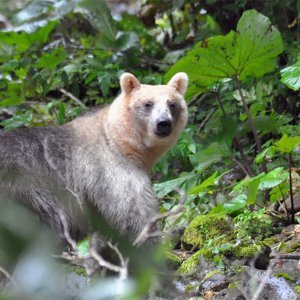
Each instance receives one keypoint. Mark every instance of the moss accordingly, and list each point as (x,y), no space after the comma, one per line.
(190,265)
(191,288)
(271,241)
(204,228)
(172,259)
(211,273)
(232,285)
(246,251)
(292,247)
(207,253)
(78,270)
(297,289)
(285,276)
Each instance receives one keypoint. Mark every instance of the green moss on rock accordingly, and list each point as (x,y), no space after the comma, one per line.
(211,273)
(204,228)
(285,276)
(271,241)
(173,260)
(292,247)
(191,288)
(297,289)
(190,265)
(78,270)
(246,251)
(232,285)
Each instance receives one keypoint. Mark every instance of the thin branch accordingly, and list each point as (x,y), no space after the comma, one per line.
(123,262)
(251,123)
(250,120)
(241,166)
(64,222)
(71,96)
(206,119)
(291,189)
(121,270)
(291,256)
(146,234)
(8,276)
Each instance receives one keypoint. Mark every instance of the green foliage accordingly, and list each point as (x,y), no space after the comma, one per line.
(250,51)
(287,144)
(253,225)
(290,76)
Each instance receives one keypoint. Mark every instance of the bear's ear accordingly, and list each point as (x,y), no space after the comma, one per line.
(128,82)
(180,82)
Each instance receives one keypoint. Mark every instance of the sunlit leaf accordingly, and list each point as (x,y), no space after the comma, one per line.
(210,181)
(83,247)
(250,51)
(266,153)
(290,76)
(287,144)
(273,178)
(237,203)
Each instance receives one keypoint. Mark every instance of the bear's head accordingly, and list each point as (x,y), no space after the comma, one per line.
(159,110)
(150,116)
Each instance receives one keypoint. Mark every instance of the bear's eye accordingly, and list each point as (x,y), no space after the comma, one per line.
(148,104)
(172,105)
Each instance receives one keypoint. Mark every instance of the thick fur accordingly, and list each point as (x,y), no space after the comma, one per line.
(102,158)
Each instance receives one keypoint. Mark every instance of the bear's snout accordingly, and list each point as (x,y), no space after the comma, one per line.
(163,127)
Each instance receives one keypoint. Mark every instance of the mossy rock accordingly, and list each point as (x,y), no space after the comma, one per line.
(190,265)
(173,260)
(246,251)
(297,289)
(77,269)
(271,241)
(292,246)
(285,276)
(206,227)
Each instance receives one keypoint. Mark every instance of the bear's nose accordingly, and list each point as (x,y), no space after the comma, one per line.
(163,127)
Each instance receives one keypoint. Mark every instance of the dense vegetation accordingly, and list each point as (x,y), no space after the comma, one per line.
(240,151)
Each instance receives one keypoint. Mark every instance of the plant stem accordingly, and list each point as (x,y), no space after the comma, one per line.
(291,189)
(251,123)
(247,168)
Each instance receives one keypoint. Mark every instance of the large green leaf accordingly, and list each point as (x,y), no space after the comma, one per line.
(164,188)
(287,144)
(250,51)
(273,178)
(210,181)
(239,202)
(99,15)
(290,76)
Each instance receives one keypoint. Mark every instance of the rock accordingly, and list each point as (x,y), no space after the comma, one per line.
(287,204)
(215,283)
(74,283)
(248,282)
(206,227)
